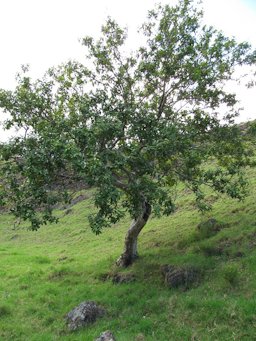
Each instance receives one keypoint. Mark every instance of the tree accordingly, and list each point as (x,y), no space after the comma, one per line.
(131,125)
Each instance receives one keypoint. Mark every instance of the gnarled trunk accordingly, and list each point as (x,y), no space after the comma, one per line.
(130,252)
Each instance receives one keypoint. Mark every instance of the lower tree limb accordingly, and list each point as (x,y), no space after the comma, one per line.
(130,252)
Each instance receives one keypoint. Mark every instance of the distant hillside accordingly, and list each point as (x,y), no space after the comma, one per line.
(45,274)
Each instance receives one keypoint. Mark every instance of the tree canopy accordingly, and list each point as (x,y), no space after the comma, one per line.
(131,124)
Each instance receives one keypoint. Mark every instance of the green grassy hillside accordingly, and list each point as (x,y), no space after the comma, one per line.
(44,274)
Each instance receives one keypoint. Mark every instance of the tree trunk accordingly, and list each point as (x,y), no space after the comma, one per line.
(130,245)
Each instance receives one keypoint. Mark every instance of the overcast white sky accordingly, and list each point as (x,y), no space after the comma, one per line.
(44,33)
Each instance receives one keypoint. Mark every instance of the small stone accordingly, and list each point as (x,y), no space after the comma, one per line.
(85,313)
(106,336)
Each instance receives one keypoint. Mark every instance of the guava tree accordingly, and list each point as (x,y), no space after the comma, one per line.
(131,125)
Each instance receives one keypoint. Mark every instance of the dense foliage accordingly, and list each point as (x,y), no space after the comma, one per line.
(131,125)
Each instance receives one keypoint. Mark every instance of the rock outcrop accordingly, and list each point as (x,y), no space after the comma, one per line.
(85,313)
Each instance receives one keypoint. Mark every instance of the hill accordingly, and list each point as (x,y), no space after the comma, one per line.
(45,274)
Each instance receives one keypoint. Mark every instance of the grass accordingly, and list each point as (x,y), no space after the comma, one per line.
(44,274)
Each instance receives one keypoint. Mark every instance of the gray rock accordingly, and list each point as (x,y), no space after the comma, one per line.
(176,276)
(106,336)
(85,313)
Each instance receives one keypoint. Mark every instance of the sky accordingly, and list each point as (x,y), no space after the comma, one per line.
(44,33)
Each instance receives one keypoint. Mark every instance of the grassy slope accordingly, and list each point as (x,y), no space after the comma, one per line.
(44,274)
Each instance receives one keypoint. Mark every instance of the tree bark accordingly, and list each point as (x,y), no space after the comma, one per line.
(130,252)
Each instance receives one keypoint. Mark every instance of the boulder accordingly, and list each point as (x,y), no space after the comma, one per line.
(176,276)
(85,313)
(106,336)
